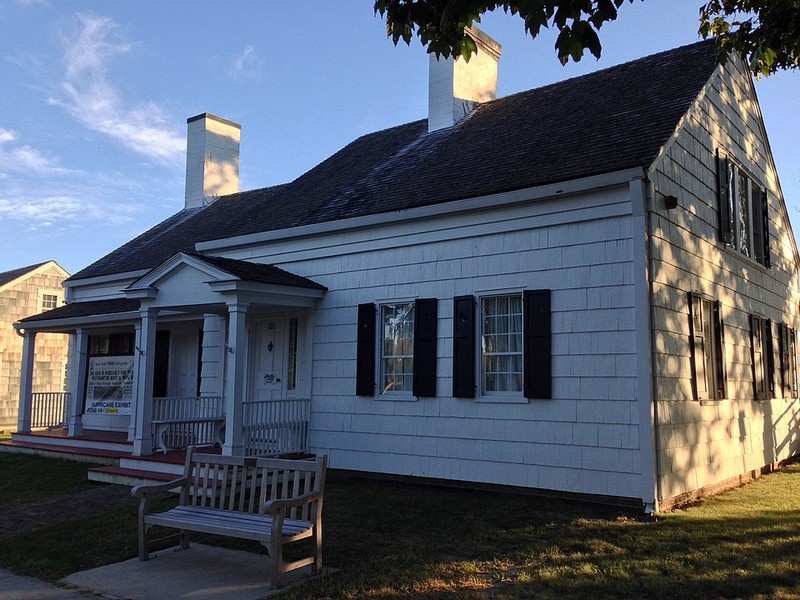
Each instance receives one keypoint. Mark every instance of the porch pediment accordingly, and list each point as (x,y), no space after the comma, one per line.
(187,280)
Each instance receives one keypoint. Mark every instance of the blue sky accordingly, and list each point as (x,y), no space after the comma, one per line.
(94,98)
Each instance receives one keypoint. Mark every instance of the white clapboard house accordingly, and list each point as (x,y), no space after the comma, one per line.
(589,288)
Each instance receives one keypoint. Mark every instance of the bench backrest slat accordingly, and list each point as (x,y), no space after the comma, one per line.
(244,484)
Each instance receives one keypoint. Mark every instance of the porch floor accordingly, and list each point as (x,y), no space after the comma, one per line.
(109,448)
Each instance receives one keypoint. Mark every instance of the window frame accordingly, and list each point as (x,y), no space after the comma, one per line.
(408,355)
(483,393)
(745,232)
(787,340)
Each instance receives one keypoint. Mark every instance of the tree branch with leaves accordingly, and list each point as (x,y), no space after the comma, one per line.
(766,33)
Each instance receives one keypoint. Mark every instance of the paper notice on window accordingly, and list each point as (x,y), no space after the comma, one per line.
(109,385)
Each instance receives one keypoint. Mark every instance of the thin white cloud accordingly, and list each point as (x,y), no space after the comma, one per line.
(22,158)
(246,64)
(91,98)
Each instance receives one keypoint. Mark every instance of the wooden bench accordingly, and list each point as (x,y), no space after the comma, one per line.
(270,500)
(188,428)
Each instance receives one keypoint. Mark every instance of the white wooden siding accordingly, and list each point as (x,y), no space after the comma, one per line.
(583,440)
(700,445)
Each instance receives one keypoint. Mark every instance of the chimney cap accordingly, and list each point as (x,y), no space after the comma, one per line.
(486,43)
(206,115)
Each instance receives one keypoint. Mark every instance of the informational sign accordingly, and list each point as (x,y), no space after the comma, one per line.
(109,386)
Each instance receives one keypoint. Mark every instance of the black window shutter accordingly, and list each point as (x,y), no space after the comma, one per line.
(464,347)
(770,358)
(425,320)
(724,199)
(698,348)
(537,346)
(783,340)
(765,256)
(757,356)
(793,360)
(719,333)
(365,350)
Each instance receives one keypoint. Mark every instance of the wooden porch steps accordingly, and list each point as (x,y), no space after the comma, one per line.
(80,454)
(127,477)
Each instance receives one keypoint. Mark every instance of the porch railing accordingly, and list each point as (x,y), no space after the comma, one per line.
(179,422)
(48,409)
(272,427)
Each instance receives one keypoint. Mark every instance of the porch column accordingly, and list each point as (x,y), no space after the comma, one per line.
(143,387)
(79,346)
(137,343)
(26,383)
(235,366)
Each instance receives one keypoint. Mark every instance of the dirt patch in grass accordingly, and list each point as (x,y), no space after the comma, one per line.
(35,515)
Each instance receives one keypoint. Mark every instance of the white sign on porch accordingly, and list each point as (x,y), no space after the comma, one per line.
(109,386)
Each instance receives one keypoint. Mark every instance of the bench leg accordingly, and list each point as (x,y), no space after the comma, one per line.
(276,558)
(184,539)
(318,548)
(143,550)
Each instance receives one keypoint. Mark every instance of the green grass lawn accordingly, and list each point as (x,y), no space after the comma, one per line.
(402,541)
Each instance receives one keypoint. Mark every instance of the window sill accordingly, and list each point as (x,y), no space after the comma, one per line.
(711,402)
(749,260)
(501,399)
(397,398)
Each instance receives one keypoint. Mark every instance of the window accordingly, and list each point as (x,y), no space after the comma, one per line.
(397,347)
(788,361)
(49,301)
(407,348)
(707,348)
(514,354)
(761,343)
(501,344)
(743,211)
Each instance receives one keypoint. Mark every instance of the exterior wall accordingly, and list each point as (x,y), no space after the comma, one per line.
(584,440)
(21,299)
(703,444)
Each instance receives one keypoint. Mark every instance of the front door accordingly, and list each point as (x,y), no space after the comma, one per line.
(267,362)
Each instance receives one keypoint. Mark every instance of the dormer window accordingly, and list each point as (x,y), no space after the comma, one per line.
(743,211)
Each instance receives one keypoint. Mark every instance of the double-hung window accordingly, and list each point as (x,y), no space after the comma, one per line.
(397,347)
(501,344)
(743,211)
(788,361)
(406,337)
(513,354)
(707,348)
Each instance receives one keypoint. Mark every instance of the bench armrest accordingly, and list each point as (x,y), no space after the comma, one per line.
(156,490)
(273,506)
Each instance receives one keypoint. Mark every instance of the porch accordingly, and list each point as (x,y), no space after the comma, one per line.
(270,428)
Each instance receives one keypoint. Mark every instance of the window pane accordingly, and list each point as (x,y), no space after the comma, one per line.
(743,214)
(501,344)
(397,347)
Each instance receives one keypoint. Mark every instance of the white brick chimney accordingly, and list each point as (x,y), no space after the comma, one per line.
(212,159)
(454,86)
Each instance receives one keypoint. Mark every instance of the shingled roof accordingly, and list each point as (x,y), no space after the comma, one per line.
(606,121)
(9,276)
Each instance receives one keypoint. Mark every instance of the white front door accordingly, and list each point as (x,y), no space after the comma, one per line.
(267,359)
(183,364)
